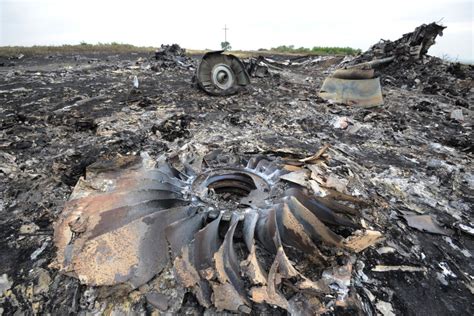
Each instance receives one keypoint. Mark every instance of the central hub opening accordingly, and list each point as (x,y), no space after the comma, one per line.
(230,187)
(222,77)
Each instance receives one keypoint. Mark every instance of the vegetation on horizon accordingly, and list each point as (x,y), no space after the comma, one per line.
(114,47)
(317,50)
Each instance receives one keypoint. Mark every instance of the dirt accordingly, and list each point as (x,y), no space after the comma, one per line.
(61,113)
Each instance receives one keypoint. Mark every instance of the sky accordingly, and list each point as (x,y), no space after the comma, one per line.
(252,24)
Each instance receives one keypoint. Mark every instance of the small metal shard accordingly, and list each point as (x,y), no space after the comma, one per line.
(229,294)
(266,230)
(181,233)
(169,170)
(354,73)
(320,210)
(425,223)
(251,267)
(315,228)
(293,234)
(206,244)
(189,277)
(270,293)
(361,240)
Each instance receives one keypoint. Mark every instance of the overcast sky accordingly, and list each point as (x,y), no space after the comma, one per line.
(252,24)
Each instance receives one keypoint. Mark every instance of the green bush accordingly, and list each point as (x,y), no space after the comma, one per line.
(317,50)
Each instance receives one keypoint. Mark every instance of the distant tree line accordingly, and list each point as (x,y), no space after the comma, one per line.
(317,50)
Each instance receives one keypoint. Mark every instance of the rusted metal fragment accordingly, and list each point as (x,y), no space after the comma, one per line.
(320,210)
(226,297)
(315,228)
(317,156)
(353,73)
(206,244)
(281,268)
(113,230)
(293,233)
(360,92)
(189,277)
(251,267)
(94,215)
(132,253)
(181,233)
(228,274)
(361,240)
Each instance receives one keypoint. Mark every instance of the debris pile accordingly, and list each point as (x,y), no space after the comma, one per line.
(411,46)
(171,56)
(405,167)
(256,67)
(404,63)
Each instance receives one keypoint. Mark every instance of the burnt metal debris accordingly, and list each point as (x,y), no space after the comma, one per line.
(221,74)
(405,166)
(413,45)
(217,223)
(356,83)
(171,56)
(353,87)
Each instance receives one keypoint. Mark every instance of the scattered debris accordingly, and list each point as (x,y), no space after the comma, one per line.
(425,223)
(457,115)
(382,268)
(362,240)
(340,122)
(445,274)
(467,229)
(407,155)
(385,308)
(169,56)
(5,284)
(28,228)
(257,67)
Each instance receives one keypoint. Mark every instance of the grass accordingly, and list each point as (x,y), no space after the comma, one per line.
(9,51)
(317,50)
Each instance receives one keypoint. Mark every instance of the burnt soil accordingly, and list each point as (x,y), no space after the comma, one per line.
(60,113)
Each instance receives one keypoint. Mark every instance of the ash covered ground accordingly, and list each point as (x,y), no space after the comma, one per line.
(411,156)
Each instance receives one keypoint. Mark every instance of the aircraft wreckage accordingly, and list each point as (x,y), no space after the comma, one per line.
(243,232)
(226,230)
